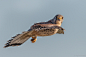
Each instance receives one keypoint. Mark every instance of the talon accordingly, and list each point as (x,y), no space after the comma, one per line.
(33,40)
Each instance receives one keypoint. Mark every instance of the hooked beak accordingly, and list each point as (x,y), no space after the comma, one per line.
(59,18)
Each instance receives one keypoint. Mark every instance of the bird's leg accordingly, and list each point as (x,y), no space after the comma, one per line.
(34,38)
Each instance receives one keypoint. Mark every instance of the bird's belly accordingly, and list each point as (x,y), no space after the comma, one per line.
(46,32)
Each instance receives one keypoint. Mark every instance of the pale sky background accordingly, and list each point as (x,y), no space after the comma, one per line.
(17,16)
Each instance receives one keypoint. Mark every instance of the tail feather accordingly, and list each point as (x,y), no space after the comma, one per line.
(18,39)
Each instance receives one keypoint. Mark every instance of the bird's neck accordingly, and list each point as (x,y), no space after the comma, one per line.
(58,23)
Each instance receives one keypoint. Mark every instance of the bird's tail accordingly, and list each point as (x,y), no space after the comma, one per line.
(18,39)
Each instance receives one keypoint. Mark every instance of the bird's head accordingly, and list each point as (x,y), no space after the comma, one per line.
(58,19)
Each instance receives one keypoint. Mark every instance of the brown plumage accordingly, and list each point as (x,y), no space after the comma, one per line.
(38,29)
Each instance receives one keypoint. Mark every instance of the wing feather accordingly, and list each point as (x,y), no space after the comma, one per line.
(52,27)
(60,32)
(46,26)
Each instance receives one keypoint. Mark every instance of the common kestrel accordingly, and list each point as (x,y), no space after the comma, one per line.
(38,29)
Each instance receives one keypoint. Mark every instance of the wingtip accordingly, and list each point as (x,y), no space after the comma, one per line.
(4,47)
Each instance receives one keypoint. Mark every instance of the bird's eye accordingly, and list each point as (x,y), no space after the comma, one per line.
(62,17)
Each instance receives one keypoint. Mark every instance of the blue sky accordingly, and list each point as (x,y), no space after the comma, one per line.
(17,16)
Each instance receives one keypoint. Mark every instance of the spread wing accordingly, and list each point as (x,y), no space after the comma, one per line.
(19,39)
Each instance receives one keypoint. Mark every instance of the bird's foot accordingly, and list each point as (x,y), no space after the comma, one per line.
(33,40)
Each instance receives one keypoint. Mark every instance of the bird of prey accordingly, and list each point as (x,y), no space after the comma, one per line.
(48,28)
